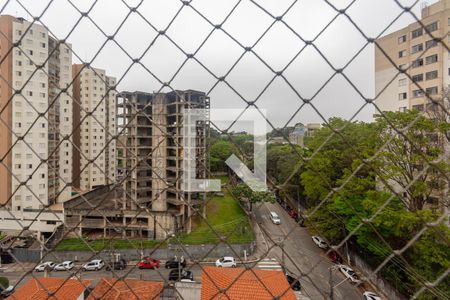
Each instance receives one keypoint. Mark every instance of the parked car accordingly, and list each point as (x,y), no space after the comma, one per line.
(293,282)
(319,242)
(275,218)
(121,264)
(7,292)
(93,265)
(176,275)
(226,262)
(41,267)
(371,296)
(175,264)
(148,263)
(64,266)
(349,273)
(335,257)
(293,214)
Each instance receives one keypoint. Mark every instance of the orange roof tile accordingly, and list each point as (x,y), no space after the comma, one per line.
(43,288)
(127,289)
(219,283)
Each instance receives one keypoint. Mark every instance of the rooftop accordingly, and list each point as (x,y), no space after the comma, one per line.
(127,289)
(240,283)
(41,288)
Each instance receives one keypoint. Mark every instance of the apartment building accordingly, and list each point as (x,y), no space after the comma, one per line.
(151,202)
(419,54)
(300,131)
(94,110)
(36,149)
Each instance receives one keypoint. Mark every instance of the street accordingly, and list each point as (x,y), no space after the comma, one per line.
(161,274)
(302,256)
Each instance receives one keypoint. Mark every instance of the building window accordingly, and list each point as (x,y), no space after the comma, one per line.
(417,63)
(43,45)
(430,44)
(417,48)
(416,33)
(402,82)
(431,59)
(432,90)
(402,53)
(418,107)
(402,96)
(418,77)
(431,75)
(402,109)
(432,27)
(417,93)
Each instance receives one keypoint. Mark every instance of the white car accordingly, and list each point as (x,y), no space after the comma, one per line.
(93,265)
(349,273)
(275,218)
(41,267)
(371,296)
(64,266)
(319,242)
(226,262)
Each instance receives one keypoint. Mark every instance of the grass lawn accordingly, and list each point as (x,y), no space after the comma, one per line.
(226,217)
(99,244)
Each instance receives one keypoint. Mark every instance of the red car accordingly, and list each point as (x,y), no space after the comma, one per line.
(335,257)
(148,263)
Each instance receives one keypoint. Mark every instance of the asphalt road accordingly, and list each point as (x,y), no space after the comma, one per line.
(302,256)
(20,277)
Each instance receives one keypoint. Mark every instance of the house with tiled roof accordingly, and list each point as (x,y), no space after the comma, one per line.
(126,289)
(52,289)
(243,284)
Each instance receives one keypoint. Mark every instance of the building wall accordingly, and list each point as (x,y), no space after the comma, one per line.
(27,154)
(30,160)
(389,85)
(96,108)
(5,106)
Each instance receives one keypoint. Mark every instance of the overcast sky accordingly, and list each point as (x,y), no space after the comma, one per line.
(308,72)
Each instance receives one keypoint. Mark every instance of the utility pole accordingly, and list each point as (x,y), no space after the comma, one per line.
(331,296)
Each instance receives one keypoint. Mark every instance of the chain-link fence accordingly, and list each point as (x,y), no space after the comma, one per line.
(91,171)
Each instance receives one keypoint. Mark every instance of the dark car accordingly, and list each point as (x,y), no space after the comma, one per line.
(293,282)
(175,264)
(335,257)
(121,264)
(176,275)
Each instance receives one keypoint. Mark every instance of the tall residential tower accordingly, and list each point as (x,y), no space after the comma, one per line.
(94,108)
(422,57)
(35,148)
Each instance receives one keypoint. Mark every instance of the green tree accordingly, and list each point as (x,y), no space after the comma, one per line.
(245,194)
(336,156)
(219,152)
(403,162)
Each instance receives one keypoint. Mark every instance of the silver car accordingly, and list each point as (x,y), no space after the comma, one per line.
(94,265)
(46,265)
(64,266)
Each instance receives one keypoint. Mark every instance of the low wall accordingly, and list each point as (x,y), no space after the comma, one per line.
(376,280)
(190,252)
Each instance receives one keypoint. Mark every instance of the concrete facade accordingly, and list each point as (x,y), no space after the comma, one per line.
(36,173)
(415,51)
(150,203)
(94,110)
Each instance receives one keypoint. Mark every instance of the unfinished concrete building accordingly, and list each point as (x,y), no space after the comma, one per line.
(150,202)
